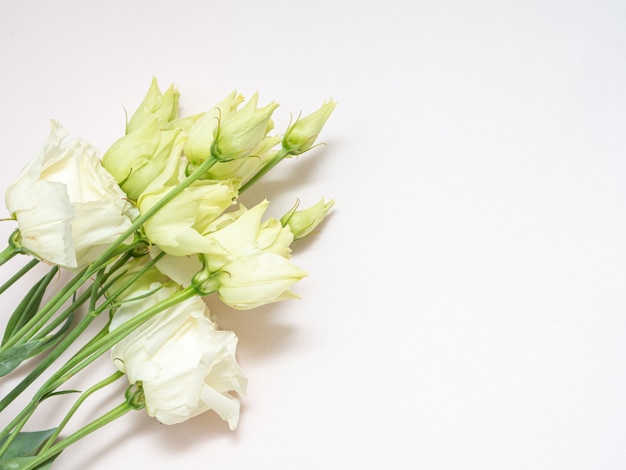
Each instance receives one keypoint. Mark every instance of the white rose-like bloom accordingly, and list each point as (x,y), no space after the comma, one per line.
(185,364)
(68,208)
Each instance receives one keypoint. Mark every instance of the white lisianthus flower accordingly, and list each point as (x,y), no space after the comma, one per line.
(68,208)
(246,235)
(186,366)
(257,280)
(247,261)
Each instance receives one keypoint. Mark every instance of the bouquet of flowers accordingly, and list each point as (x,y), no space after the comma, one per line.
(144,233)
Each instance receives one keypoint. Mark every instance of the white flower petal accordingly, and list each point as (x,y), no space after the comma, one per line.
(185,364)
(68,207)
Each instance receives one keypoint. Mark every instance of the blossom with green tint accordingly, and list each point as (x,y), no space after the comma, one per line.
(302,134)
(303,222)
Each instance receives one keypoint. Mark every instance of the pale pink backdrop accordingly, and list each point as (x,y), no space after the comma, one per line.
(465,307)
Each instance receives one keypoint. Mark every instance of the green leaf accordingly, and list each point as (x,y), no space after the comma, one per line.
(19,463)
(29,305)
(14,356)
(60,392)
(23,450)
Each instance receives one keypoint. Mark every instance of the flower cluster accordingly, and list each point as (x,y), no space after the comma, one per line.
(148,230)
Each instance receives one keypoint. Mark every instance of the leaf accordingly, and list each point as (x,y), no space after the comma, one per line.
(19,463)
(60,392)
(14,356)
(29,305)
(23,450)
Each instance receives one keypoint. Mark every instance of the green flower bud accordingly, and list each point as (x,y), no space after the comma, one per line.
(198,146)
(139,157)
(301,136)
(163,106)
(238,134)
(303,222)
(243,169)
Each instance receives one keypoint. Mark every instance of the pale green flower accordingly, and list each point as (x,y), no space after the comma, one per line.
(177,228)
(238,134)
(246,261)
(303,222)
(242,169)
(246,235)
(162,106)
(273,237)
(303,133)
(137,158)
(198,146)
(250,281)
(257,279)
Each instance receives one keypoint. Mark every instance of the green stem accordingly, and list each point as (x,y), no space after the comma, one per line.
(92,351)
(96,424)
(46,362)
(29,304)
(75,333)
(8,253)
(12,280)
(95,349)
(46,312)
(59,320)
(275,160)
(86,394)
(113,296)
(17,424)
(175,191)
(109,254)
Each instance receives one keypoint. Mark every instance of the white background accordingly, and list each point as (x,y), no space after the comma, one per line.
(465,307)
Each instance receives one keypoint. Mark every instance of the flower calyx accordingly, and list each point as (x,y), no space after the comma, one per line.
(134,396)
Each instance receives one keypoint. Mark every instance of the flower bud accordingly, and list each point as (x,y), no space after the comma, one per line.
(163,106)
(301,136)
(237,135)
(198,146)
(303,222)
(139,157)
(245,168)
